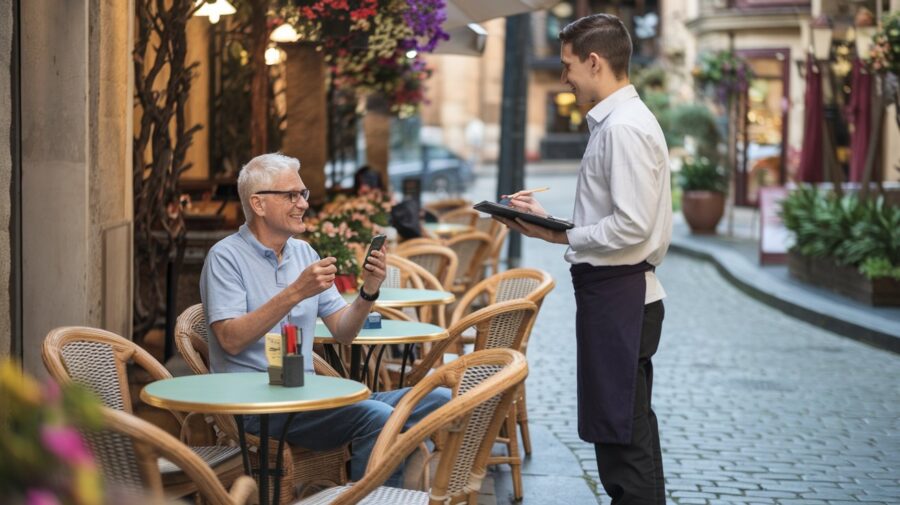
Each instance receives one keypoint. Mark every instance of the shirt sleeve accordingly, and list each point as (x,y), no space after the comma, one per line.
(631,160)
(222,287)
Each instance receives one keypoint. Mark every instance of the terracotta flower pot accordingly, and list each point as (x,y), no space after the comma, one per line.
(345,283)
(702,210)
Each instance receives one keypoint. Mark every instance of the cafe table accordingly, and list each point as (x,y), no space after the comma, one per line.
(250,393)
(407,333)
(408,297)
(447,229)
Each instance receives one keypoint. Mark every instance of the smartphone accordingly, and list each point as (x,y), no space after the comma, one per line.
(376,244)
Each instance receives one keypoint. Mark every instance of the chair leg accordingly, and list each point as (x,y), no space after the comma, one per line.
(515,460)
(522,414)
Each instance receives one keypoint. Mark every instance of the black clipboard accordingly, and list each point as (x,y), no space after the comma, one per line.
(496,209)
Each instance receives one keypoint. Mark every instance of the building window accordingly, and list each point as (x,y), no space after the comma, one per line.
(563,116)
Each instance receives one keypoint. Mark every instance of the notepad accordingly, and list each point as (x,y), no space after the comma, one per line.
(496,209)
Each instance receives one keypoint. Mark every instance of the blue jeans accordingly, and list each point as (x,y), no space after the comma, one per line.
(359,424)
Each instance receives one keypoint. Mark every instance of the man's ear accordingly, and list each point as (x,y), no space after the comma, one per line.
(256,204)
(596,62)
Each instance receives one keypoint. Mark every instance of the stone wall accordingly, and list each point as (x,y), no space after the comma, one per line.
(76,175)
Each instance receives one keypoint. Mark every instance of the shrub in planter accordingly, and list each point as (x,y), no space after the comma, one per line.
(703,201)
(845,244)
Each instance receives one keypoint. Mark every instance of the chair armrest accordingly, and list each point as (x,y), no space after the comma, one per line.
(244,490)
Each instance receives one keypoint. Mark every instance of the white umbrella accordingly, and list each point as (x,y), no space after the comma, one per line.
(462,12)
(468,40)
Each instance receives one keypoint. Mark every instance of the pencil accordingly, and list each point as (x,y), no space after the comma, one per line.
(529,191)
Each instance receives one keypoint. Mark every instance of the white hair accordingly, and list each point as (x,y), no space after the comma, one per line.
(258,174)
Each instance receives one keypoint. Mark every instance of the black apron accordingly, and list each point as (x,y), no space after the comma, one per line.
(609,316)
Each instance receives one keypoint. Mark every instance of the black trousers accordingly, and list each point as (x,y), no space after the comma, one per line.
(632,474)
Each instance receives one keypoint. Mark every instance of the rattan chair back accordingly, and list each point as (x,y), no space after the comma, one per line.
(97,359)
(471,250)
(519,283)
(482,386)
(466,216)
(440,207)
(440,261)
(128,449)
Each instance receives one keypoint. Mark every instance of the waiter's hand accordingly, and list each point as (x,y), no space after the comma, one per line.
(527,203)
(535,231)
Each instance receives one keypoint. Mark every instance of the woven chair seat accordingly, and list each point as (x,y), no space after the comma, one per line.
(381,495)
(211,454)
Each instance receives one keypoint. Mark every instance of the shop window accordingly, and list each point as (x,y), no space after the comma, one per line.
(563,116)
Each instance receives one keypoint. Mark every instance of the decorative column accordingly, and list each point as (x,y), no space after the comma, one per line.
(377,128)
(306,133)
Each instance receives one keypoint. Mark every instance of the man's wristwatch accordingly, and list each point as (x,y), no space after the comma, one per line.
(367,297)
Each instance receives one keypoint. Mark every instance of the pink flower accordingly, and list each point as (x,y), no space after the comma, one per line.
(66,443)
(40,497)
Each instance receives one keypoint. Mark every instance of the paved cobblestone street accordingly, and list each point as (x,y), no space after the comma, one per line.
(754,406)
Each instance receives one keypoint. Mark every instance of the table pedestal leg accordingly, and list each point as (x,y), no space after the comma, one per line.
(279,459)
(264,460)
(407,348)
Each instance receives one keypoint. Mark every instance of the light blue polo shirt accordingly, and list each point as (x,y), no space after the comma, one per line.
(239,276)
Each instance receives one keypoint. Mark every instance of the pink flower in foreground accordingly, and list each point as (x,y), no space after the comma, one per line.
(40,497)
(66,443)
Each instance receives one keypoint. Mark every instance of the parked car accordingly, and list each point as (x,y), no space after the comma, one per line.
(440,169)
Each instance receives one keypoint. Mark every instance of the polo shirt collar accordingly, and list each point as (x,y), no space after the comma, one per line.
(603,109)
(250,238)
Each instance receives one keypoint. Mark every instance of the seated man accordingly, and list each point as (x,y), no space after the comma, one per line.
(261,276)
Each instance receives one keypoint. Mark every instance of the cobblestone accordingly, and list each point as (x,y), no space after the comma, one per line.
(754,406)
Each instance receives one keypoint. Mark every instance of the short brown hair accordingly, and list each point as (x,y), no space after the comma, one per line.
(603,34)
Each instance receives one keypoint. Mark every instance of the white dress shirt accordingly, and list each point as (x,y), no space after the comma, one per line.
(623,201)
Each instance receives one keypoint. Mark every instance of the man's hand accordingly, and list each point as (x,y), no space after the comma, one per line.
(528,203)
(316,278)
(535,231)
(375,271)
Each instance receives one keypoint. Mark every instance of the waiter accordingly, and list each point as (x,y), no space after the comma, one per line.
(623,226)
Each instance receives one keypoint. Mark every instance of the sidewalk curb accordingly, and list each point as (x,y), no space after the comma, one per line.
(876,331)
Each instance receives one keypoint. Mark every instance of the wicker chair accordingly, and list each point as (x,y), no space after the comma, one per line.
(97,359)
(471,250)
(483,384)
(528,283)
(438,260)
(128,449)
(441,207)
(301,466)
(464,215)
(417,242)
(498,234)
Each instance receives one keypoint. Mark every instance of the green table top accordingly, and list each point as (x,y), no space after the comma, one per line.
(447,228)
(250,393)
(408,297)
(391,332)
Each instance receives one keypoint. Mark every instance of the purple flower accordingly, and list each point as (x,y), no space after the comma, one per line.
(66,443)
(40,497)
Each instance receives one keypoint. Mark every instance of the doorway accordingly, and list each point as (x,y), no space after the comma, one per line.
(762,128)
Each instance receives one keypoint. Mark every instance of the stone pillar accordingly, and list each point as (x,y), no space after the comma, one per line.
(377,129)
(76,167)
(6,43)
(306,134)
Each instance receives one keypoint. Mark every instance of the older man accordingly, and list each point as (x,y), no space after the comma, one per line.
(261,276)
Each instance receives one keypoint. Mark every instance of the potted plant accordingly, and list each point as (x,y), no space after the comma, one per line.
(703,184)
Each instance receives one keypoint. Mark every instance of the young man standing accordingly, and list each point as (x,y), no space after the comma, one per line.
(623,226)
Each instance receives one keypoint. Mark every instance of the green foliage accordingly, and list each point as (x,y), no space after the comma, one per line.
(698,121)
(700,174)
(875,268)
(861,234)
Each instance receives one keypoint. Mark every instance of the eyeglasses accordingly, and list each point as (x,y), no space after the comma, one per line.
(293,196)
